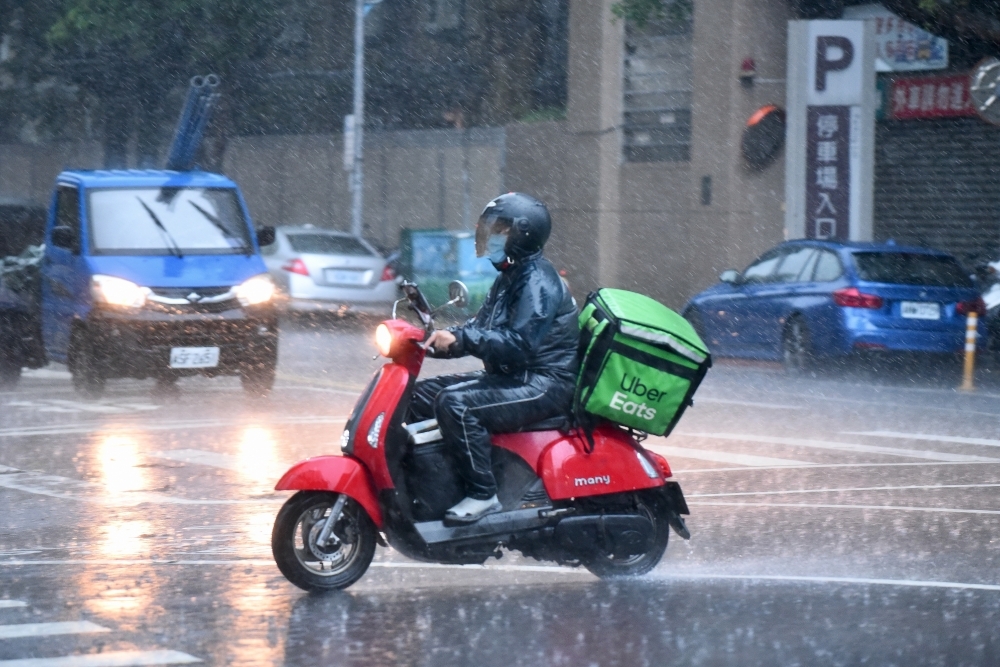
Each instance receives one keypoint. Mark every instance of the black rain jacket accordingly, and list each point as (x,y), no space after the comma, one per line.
(528,322)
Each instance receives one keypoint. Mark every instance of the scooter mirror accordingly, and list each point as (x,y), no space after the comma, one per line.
(458,294)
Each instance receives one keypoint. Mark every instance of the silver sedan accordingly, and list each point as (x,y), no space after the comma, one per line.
(324,270)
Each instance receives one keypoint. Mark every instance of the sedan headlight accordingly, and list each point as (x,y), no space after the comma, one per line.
(259,289)
(118,291)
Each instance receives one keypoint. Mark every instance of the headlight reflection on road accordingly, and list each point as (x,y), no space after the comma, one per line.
(118,458)
(257,457)
(122,539)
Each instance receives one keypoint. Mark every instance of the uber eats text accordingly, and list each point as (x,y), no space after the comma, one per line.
(619,401)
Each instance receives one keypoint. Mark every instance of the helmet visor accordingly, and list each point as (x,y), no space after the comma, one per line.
(487,226)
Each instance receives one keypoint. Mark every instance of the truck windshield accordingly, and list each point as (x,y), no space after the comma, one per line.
(166,221)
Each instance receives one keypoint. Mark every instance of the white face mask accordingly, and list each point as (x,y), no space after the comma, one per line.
(495,248)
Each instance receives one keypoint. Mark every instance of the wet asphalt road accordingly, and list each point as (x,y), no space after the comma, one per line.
(837,520)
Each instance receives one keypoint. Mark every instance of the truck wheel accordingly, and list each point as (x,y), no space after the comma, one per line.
(258,377)
(10,373)
(84,367)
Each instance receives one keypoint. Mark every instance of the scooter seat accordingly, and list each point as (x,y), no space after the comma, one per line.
(559,423)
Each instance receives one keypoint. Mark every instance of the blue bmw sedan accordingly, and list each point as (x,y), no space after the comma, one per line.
(805,300)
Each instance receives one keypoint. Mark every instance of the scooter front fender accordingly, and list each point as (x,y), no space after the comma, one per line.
(339,474)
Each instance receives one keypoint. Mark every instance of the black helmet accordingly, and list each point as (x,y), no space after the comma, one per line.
(527,219)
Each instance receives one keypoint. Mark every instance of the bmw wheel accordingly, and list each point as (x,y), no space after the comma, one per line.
(795,347)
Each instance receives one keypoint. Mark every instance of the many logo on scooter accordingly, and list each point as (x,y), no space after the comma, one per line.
(589,481)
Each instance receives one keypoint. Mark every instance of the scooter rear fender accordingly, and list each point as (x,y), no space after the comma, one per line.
(339,474)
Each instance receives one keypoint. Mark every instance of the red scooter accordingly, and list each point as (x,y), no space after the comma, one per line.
(609,507)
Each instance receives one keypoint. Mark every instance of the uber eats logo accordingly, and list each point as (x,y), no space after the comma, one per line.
(632,385)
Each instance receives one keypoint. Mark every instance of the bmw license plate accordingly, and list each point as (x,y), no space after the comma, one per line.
(340,277)
(194,357)
(920,310)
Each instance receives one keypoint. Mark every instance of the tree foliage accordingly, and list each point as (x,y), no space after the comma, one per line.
(122,62)
(640,12)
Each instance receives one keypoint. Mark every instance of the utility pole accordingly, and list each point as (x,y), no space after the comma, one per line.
(357,171)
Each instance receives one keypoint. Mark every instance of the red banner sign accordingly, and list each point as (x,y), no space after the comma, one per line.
(930,97)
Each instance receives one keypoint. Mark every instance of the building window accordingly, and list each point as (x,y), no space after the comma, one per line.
(443,15)
(657,90)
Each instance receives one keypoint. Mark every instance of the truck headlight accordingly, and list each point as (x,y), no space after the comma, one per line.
(256,290)
(118,291)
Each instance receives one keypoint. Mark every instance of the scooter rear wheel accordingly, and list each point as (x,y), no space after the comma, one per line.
(607,566)
(322,567)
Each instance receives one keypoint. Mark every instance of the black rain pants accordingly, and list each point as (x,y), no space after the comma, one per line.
(470,406)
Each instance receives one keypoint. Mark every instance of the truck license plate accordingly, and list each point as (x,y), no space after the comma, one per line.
(919,310)
(194,357)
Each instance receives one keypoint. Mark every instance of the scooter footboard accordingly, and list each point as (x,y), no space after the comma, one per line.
(338,474)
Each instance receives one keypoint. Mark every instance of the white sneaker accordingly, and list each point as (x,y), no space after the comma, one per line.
(470,510)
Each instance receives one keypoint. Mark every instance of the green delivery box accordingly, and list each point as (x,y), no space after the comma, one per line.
(640,362)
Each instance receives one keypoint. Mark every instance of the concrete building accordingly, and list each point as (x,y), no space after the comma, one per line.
(662,210)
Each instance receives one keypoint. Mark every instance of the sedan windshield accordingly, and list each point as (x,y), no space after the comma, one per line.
(905,268)
(165,221)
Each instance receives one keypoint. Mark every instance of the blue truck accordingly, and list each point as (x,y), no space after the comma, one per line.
(144,273)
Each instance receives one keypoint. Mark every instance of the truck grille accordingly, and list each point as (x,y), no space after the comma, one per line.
(192,300)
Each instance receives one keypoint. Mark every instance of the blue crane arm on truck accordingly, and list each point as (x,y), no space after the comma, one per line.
(147,273)
(151,273)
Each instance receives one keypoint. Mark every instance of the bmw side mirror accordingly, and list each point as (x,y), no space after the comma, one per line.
(265,236)
(458,294)
(731,276)
(64,237)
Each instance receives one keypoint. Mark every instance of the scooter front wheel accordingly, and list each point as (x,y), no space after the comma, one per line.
(305,558)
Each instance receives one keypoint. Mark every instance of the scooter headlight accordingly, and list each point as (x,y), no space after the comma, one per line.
(256,290)
(118,291)
(383,340)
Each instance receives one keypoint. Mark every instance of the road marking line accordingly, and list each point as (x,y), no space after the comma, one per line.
(751,404)
(986,442)
(48,629)
(86,407)
(211,459)
(861,488)
(885,404)
(174,426)
(723,457)
(55,486)
(941,510)
(842,446)
(12,604)
(832,465)
(109,659)
(199,457)
(46,374)
(912,583)
(327,384)
(135,561)
(556,569)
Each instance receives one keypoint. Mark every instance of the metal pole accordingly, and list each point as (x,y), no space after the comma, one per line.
(357,173)
(970,351)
